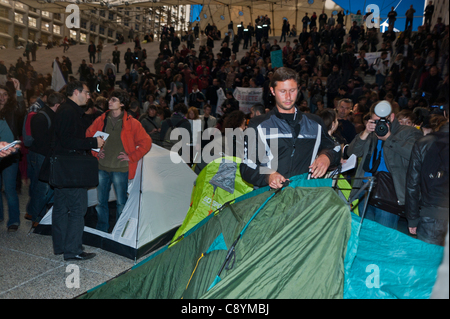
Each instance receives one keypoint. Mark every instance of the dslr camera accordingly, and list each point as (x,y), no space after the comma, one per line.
(382,110)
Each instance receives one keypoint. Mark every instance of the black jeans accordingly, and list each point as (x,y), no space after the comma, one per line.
(432,230)
(68,220)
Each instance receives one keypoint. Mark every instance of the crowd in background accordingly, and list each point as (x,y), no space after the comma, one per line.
(187,78)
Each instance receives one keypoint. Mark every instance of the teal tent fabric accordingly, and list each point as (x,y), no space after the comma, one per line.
(218,244)
(383,263)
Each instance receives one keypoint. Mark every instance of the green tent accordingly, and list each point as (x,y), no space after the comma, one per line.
(294,247)
(217,184)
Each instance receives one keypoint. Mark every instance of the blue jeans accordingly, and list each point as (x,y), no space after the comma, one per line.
(41,193)
(378,215)
(9,167)
(120,181)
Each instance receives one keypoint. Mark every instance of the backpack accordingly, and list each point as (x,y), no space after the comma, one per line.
(26,128)
(167,143)
(435,169)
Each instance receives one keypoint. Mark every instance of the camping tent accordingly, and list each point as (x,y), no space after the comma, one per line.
(217,184)
(300,243)
(284,247)
(151,215)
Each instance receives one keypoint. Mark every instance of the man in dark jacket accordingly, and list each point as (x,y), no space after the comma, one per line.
(431,83)
(300,136)
(92,50)
(42,133)
(116,58)
(427,189)
(392,155)
(71,203)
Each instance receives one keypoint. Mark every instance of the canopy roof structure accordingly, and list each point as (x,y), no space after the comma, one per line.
(221,12)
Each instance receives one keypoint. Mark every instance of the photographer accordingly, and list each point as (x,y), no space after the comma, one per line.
(392,154)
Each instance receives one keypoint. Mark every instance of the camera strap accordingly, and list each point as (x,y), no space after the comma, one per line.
(377,159)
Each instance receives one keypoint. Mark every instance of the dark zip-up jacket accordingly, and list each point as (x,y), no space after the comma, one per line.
(70,130)
(298,144)
(422,200)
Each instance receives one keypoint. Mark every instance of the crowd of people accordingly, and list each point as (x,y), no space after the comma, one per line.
(326,90)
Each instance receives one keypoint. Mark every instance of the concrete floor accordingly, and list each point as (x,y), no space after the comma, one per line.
(30,270)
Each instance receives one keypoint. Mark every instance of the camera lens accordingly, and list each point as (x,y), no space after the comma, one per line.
(381,129)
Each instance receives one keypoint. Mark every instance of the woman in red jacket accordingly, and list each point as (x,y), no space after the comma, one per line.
(127,142)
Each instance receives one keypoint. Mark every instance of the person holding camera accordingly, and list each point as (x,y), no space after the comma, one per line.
(386,146)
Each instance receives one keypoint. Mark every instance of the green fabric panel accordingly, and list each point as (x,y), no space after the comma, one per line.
(294,248)
(202,195)
(166,275)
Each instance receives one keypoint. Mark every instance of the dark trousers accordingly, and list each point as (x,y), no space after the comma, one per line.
(68,220)
(41,193)
(409,22)
(92,57)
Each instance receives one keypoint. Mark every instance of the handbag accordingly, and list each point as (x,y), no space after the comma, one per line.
(383,194)
(73,171)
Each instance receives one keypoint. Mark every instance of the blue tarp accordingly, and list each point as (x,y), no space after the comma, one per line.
(385,6)
(195,12)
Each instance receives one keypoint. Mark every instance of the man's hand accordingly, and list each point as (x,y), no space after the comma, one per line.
(100,142)
(276,180)
(101,154)
(370,127)
(320,166)
(413,230)
(123,157)
(9,151)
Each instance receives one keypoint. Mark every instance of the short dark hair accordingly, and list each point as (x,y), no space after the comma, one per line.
(234,119)
(283,74)
(259,107)
(74,85)
(180,108)
(55,98)
(123,97)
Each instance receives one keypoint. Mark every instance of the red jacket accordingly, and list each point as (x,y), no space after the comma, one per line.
(135,139)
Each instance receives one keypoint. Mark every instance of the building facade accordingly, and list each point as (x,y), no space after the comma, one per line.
(20,23)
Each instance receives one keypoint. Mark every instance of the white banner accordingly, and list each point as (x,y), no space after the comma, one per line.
(58,80)
(372,56)
(248,97)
